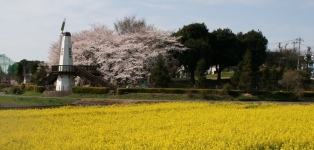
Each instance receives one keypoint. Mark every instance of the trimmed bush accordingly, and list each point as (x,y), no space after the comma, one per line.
(20,89)
(90,90)
(30,87)
(308,94)
(235,93)
(121,91)
(284,96)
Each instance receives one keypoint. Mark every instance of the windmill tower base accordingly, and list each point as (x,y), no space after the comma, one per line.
(65,83)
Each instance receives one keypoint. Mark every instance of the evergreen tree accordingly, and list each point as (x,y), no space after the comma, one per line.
(246,79)
(199,72)
(265,82)
(237,73)
(160,75)
(195,37)
(256,43)
(12,70)
(39,74)
(25,67)
(275,76)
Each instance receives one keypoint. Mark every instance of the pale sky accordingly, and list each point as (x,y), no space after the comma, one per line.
(28,27)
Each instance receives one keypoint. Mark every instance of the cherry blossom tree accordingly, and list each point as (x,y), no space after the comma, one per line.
(125,58)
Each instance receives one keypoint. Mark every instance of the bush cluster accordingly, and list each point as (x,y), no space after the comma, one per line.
(308,94)
(121,91)
(31,87)
(36,88)
(20,89)
(90,90)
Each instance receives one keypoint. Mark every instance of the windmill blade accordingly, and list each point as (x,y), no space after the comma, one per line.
(62,27)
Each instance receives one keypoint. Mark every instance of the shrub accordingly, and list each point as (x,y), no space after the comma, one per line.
(285,96)
(234,93)
(226,88)
(308,94)
(16,90)
(30,87)
(90,90)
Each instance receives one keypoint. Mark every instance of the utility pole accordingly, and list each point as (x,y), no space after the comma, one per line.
(299,40)
(294,42)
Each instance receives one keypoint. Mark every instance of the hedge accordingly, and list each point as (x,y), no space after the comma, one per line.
(308,94)
(32,87)
(121,91)
(90,90)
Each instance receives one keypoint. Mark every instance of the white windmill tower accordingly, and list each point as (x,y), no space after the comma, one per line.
(66,70)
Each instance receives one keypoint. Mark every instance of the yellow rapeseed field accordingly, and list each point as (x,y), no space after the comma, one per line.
(179,126)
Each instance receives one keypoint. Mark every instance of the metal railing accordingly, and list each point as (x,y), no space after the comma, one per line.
(71,68)
(63,68)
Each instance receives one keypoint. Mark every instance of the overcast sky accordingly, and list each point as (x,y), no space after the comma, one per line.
(28,27)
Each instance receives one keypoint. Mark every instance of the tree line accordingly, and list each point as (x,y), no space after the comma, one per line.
(135,50)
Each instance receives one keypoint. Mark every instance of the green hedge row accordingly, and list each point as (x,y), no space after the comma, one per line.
(31,87)
(121,91)
(90,90)
(307,93)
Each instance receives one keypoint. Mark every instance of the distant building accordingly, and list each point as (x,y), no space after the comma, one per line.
(5,62)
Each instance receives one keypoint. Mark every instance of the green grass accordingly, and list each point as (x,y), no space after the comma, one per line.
(224,75)
(85,95)
(37,99)
(30,101)
(33,93)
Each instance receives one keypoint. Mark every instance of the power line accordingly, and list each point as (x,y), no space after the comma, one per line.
(282,42)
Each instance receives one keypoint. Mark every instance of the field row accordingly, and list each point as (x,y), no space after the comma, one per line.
(184,125)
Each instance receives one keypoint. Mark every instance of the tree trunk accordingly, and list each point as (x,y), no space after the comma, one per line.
(218,74)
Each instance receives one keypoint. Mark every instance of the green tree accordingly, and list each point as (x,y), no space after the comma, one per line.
(12,70)
(256,43)
(26,67)
(225,50)
(269,78)
(195,37)
(160,75)
(264,79)
(246,78)
(200,70)
(235,78)
(39,74)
